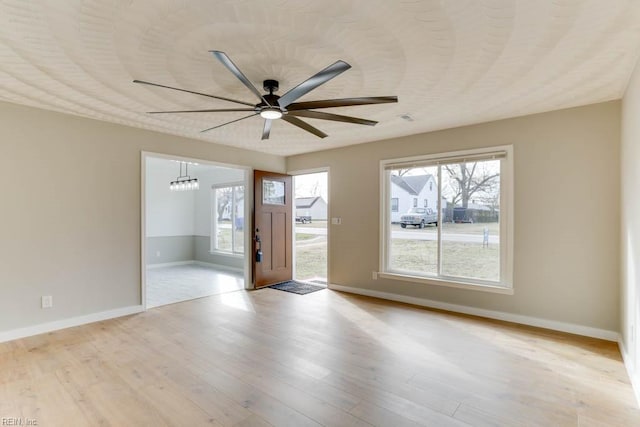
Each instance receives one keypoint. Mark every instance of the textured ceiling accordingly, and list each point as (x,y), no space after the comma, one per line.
(451,63)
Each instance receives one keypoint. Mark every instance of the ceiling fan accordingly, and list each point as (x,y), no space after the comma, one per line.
(272,107)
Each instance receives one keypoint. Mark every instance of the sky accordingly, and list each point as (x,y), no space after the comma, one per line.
(309,185)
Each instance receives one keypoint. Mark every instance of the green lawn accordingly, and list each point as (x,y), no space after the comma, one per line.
(461,259)
(311,256)
(302,236)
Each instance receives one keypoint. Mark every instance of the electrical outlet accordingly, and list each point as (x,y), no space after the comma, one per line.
(47,301)
(336,221)
(158,254)
(374,275)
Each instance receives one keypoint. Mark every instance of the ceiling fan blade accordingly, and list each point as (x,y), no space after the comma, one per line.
(224,110)
(303,125)
(195,93)
(345,102)
(227,62)
(313,82)
(267,129)
(329,116)
(228,123)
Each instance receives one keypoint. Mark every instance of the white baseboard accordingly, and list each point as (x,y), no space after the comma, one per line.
(219,266)
(491,314)
(194,262)
(169,264)
(632,372)
(68,323)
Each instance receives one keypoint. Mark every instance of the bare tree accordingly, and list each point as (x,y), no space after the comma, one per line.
(400,172)
(468,179)
(223,199)
(315,189)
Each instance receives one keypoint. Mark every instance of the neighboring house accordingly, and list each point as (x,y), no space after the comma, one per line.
(412,191)
(315,207)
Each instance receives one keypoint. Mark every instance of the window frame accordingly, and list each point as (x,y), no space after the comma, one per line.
(505,285)
(214,219)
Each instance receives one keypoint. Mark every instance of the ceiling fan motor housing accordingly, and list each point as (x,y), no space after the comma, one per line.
(271,85)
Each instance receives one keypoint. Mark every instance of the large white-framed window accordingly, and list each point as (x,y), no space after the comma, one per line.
(466,239)
(227,218)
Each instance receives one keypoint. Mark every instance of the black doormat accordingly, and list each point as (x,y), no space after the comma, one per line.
(296,287)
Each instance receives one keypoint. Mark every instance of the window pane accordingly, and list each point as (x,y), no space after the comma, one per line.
(413,246)
(471,226)
(273,192)
(238,228)
(224,199)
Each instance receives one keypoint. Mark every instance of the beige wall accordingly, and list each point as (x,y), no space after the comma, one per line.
(566,213)
(630,228)
(70,211)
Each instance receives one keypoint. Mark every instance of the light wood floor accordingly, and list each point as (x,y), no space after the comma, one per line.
(272,358)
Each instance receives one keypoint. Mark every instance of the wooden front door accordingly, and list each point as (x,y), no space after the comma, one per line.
(272,228)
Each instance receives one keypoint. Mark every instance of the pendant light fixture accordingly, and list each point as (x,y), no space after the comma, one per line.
(184,182)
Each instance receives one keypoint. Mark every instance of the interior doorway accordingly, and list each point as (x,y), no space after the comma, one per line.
(193,234)
(311,194)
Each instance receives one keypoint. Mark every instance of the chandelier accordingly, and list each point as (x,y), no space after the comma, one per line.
(184,182)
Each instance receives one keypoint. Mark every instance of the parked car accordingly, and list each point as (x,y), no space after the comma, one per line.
(304,219)
(419,217)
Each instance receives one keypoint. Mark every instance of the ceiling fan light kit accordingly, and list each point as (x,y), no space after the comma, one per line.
(271,113)
(273,107)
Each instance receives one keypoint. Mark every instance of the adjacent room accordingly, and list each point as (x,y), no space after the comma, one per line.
(338,213)
(194,230)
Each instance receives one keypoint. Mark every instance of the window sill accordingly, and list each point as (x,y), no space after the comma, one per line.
(474,286)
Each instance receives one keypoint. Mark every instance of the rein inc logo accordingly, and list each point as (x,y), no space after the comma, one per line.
(16,421)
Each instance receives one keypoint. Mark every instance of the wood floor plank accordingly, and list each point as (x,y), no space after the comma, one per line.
(269,408)
(313,407)
(381,417)
(253,421)
(375,395)
(172,404)
(269,358)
